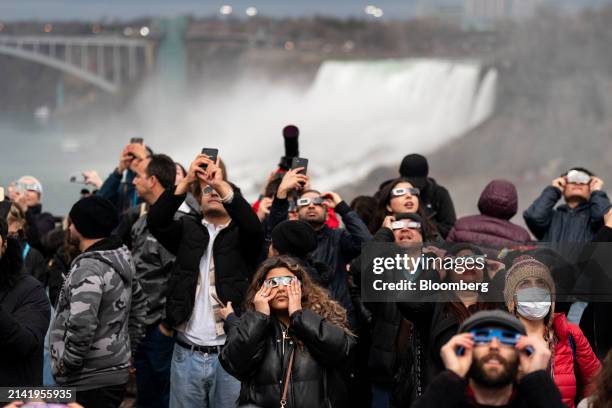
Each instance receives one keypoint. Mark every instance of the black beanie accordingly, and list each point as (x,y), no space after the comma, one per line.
(295,238)
(94,217)
(492,318)
(415,168)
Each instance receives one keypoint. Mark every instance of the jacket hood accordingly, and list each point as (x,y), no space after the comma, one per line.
(499,199)
(117,256)
(560,325)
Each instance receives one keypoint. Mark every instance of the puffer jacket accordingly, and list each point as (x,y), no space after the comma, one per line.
(564,375)
(564,225)
(257,353)
(89,339)
(498,203)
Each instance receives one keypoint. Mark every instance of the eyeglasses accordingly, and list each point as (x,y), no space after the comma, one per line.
(578,177)
(401,224)
(279,280)
(303,202)
(398,192)
(486,335)
(28,186)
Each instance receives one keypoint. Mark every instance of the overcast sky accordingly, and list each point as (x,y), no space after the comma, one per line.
(11,10)
(127,9)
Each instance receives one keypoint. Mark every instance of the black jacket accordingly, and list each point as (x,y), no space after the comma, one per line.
(235,252)
(36,265)
(434,323)
(594,285)
(24,319)
(448,390)
(39,225)
(438,206)
(257,353)
(335,247)
(384,320)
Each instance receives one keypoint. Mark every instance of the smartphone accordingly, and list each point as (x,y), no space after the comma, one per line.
(77,179)
(299,162)
(136,140)
(211,153)
(217,299)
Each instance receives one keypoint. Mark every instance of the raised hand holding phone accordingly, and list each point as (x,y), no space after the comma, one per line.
(292,180)
(194,171)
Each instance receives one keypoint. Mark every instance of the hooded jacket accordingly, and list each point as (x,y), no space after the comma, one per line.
(257,353)
(498,203)
(89,339)
(438,206)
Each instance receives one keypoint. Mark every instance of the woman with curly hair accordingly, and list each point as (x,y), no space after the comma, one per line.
(288,347)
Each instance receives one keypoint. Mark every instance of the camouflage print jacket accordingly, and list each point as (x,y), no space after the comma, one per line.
(89,340)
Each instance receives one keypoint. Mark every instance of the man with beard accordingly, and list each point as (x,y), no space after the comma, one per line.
(215,261)
(153,265)
(89,340)
(492,363)
(335,247)
(24,318)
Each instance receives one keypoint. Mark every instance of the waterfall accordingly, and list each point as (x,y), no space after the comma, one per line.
(355,116)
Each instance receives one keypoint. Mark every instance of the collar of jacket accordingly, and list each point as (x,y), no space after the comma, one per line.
(581,207)
(107,244)
(322,232)
(35,209)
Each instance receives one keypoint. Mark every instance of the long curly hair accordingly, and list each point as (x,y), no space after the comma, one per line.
(314,297)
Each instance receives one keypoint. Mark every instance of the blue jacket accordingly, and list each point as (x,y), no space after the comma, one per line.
(122,195)
(563,224)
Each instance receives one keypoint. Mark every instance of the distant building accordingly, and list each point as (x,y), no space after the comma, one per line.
(484,13)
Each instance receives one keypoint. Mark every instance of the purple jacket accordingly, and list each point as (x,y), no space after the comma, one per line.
(498,203)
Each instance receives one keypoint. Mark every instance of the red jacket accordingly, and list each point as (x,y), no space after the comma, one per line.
(588,365)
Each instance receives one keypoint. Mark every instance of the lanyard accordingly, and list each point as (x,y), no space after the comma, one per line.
(26,251)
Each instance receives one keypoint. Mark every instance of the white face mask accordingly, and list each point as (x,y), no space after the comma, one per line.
(533,303)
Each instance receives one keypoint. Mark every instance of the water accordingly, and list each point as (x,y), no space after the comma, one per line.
(354,117)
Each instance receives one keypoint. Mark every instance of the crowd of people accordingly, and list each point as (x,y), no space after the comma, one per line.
(169,277)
